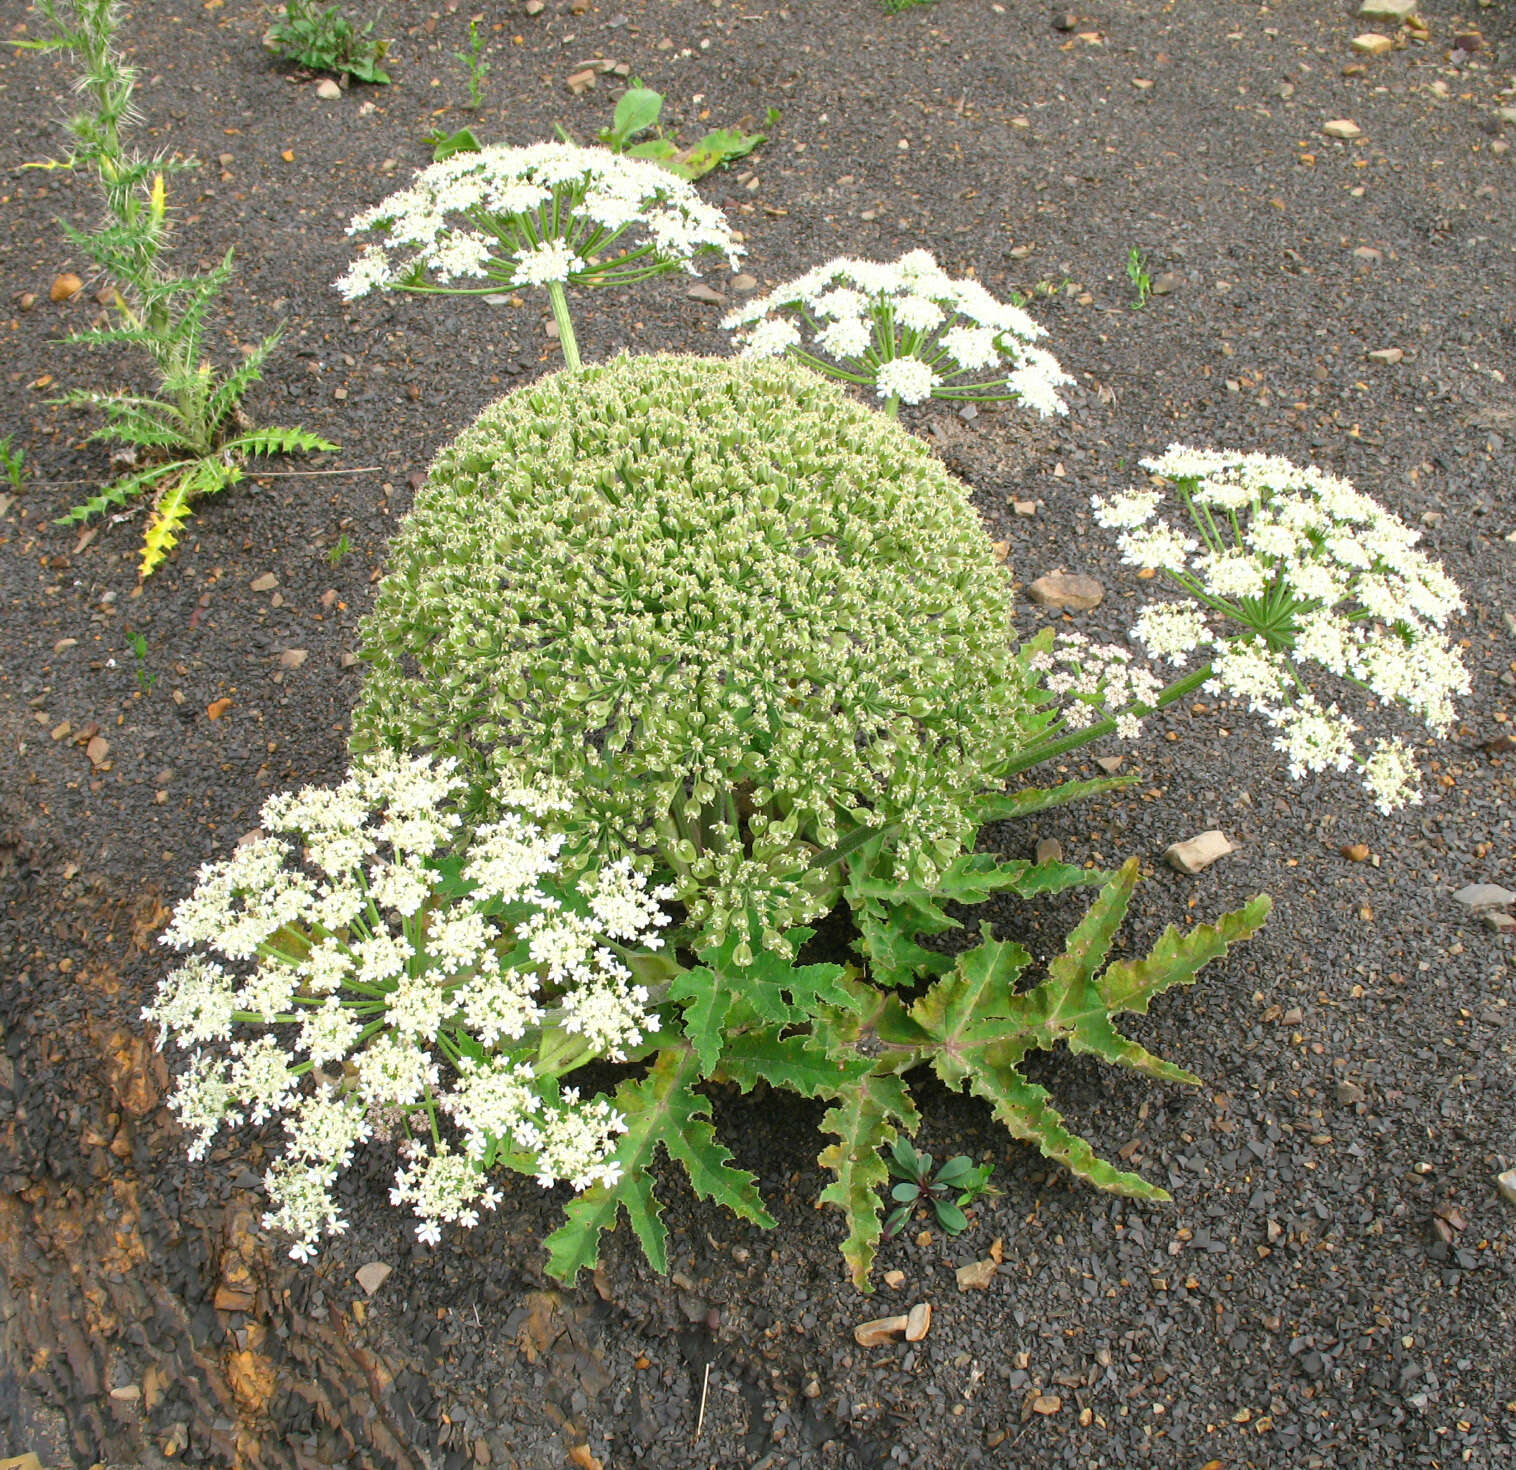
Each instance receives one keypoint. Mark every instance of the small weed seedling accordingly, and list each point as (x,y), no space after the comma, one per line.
(1137,274)
(894,7)
(340,548)
(959,1182)
(478,67)
(138,645)
(12,463)
(638,110)
(445,144)
(326,40)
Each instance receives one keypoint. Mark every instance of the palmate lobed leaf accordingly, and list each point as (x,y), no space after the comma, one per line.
(771,989)
(980,1028)
(662,1111)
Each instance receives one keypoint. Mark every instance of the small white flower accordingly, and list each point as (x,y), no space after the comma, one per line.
(906,378)
(1391,776)
(551,261)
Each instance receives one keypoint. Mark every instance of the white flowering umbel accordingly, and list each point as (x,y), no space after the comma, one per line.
(906,330)
(1288,568)
(391,965)
(551,215)
(1095,681)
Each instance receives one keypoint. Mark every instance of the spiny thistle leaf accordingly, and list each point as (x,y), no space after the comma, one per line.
(277,441)
(864,1119)
(118,493)
(660,1109)
(169,516)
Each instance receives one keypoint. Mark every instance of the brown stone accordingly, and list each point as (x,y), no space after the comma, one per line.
(1068,590)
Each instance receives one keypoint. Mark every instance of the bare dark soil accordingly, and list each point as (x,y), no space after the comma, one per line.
(1333,1283)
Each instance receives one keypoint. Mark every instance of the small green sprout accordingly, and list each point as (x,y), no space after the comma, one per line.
(326,40)
(478,67)
(638,109)
(445,144)
(138,646)
(340,548)
(1137,274)
(12,463)
(959,1182)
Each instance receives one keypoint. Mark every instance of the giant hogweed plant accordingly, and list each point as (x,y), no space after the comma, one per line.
(676,657)
(756,633)
(189,437)
(695,653)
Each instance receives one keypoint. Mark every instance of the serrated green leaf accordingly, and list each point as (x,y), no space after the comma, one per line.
(1006,806)
(981,989)
(1026,1111)
(660,1109)
(1128,985)
(706,1005)
(775,990)
(864,1119)
(886,939)
(793,1062)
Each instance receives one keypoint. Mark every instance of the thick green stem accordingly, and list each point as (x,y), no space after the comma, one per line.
(1055,748)
(892,406)
(566,338)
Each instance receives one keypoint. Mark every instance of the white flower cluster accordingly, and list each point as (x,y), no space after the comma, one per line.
(389,959)
(905,328)
(534,216)
(1290,566)
(1099,680)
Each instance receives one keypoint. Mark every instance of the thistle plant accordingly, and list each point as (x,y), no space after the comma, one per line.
(385,977)
(553,215)
(905,329)
(189,438)
(1290,567)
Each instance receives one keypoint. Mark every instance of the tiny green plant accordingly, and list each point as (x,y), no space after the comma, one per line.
(445,144)
(894,7)
(190,437)
(638,110)
(12,462)
(340,548)
(1137,274)
(478,67)
(949,1189)
(138,646)
(326,40)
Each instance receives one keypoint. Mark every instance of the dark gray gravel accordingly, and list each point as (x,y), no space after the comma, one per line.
(1333,1283)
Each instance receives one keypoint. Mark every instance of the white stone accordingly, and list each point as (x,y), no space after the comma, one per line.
(328,90)
(1398,11)
(1199,852)
(1484,896)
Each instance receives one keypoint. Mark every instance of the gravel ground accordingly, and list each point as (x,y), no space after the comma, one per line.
(1332,1285)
